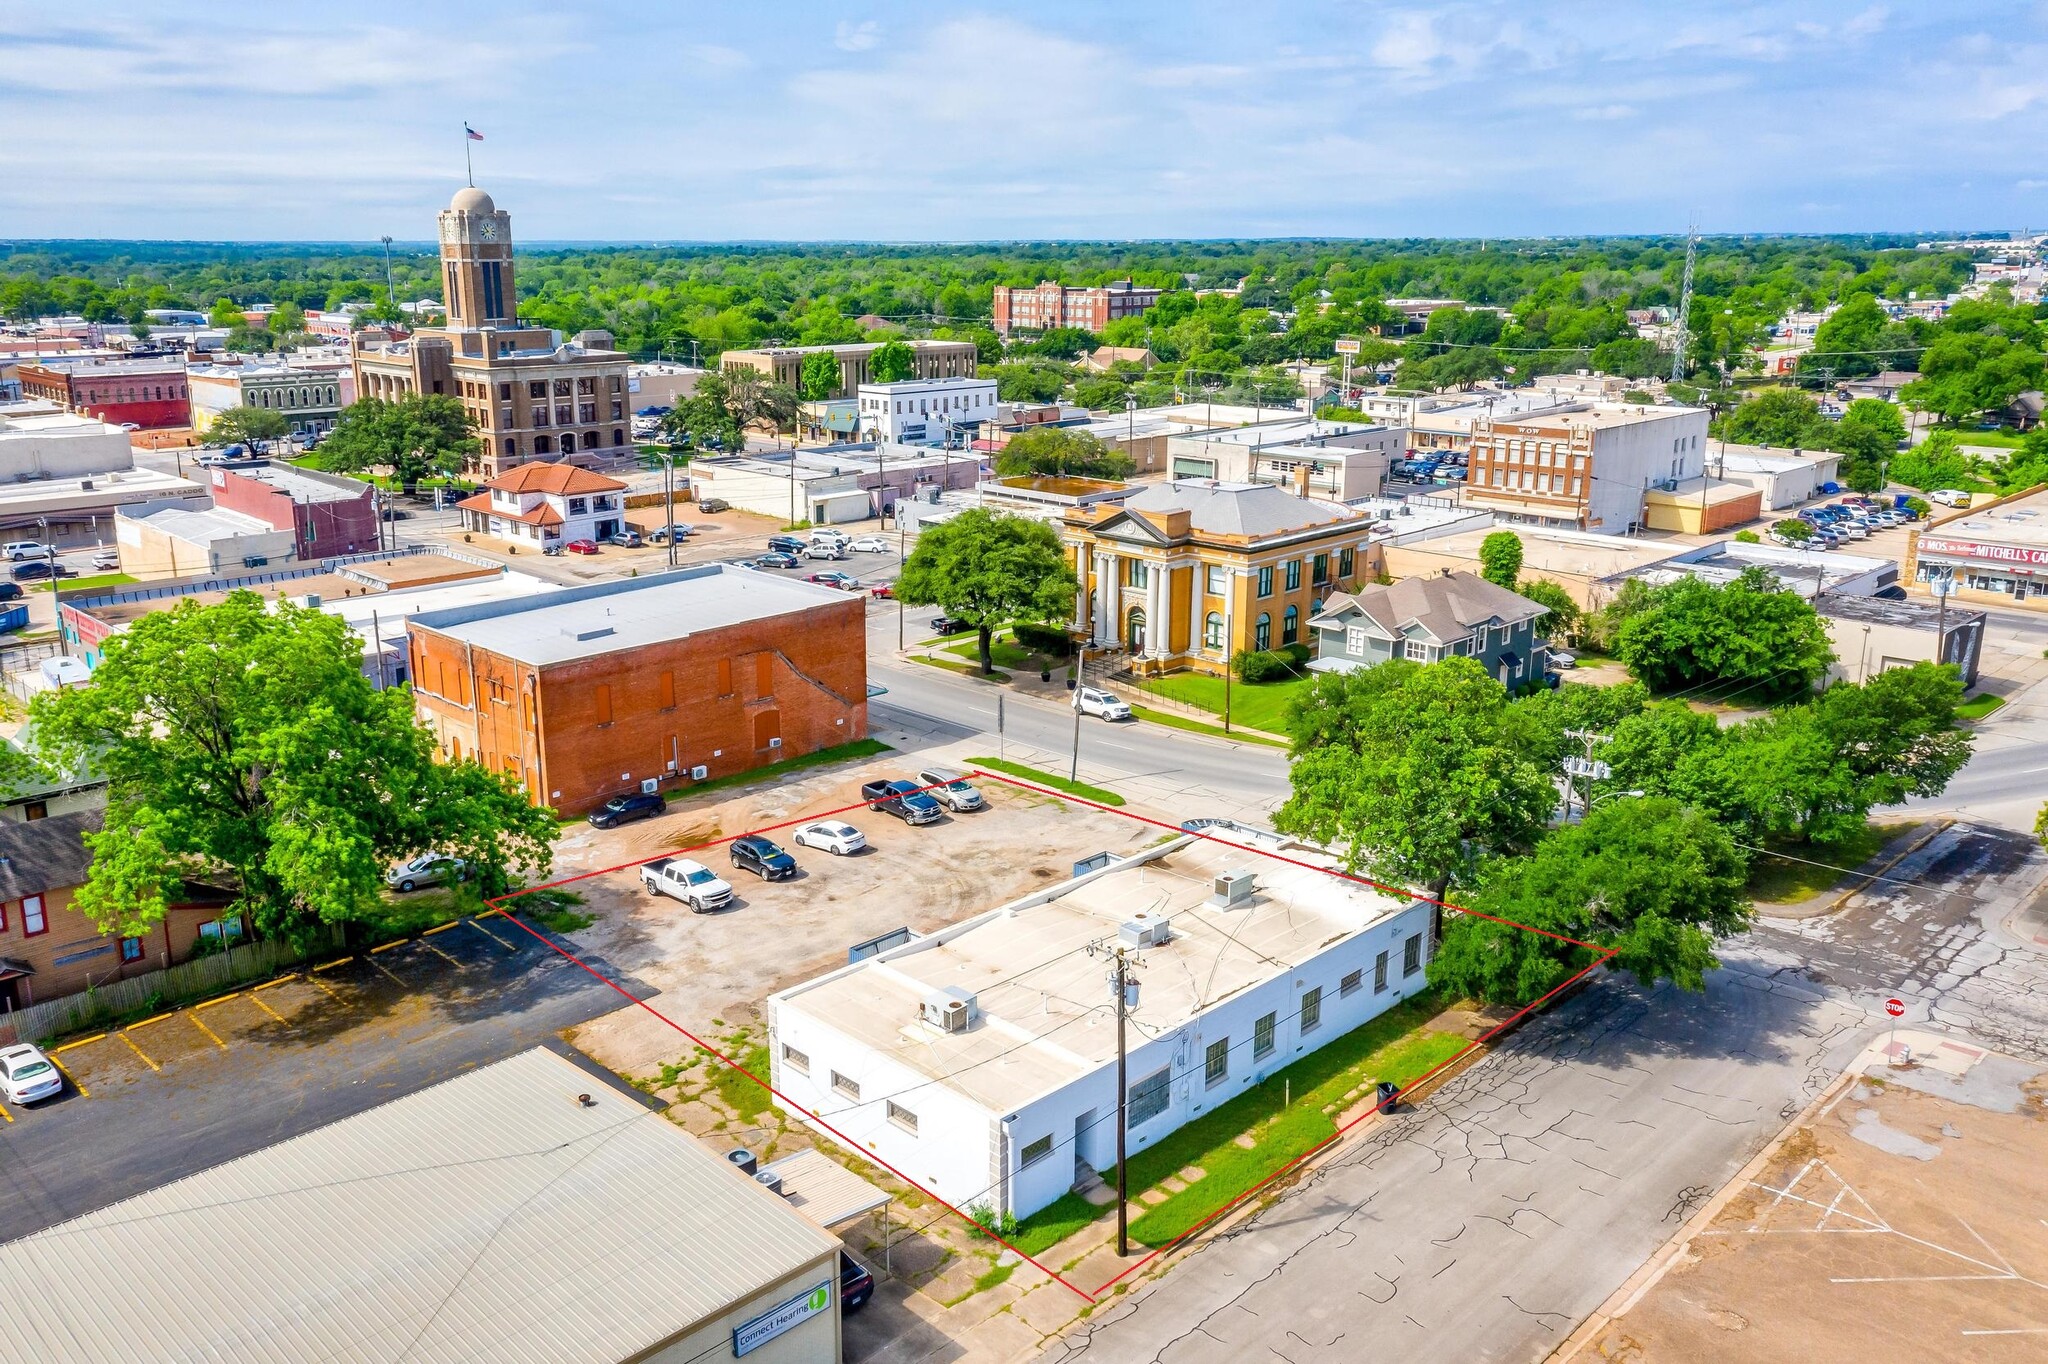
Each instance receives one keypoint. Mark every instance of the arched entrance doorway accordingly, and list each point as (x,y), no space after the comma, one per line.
(1134,630)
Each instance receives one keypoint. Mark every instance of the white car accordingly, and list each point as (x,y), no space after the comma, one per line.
(17,550)
(870,544)
(1095,701)
(1947,497)
(832,836)
(428,869)
(695,884)
(107,560)
(27,1075)
(1563,661)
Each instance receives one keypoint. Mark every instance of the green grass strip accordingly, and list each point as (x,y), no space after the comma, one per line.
(1172,721)
(1047,779)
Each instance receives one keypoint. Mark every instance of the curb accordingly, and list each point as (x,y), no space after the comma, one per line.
(1940,826)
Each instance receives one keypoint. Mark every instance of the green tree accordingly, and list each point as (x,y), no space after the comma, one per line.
(226,313)
(1793,529)
(1936,462)
(1847,342)
(247,424)
(1748,537)
(242,744)
(1500,558)
(1405,766)
(892,361)
(287,319)
(1563,622)
(1062,343)
(1776,416)
(1029,381)
(1653,881)
(417,435)
(1060,450)
(820,376)
(990,570)
(1748,631)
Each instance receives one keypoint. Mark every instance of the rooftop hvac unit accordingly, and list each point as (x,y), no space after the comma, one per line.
(769,1181)
(1145,931)
(950,1009)
(1233,889)
(699,772)
(742,1159)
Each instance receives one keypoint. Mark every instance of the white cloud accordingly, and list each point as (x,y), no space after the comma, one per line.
(851,37)
(1597,113)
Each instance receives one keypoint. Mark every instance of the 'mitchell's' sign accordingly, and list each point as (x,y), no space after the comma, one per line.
(1971,549)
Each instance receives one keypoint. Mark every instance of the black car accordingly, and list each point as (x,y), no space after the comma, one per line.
(775,558)
(714,504)
(9,592)
(788,544)
(760,856)
(41,568)
(901,799)
(856,1285)
(623,809)
(946,625)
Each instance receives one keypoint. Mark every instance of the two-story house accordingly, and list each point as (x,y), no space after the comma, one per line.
(1426,619)
(546,505)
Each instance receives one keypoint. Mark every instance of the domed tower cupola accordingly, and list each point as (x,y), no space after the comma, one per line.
(476,262)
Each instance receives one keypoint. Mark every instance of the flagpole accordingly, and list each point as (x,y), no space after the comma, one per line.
(467,166)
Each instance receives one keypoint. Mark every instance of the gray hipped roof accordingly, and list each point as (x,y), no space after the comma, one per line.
(1449,606)
(1248,509)
(41,855)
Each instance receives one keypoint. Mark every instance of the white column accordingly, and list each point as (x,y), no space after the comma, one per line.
(1113,600)
(1195,612)
(1080,587)
(1158,626)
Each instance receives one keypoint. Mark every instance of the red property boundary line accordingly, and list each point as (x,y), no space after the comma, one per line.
(1604,955)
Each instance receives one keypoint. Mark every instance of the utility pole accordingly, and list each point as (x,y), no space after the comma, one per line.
(1680,327)
(1080,681)
(1585,766)
(1122,985)
(1943,582)
(390,289)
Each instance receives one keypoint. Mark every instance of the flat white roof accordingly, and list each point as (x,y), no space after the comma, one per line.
(582,622)
(1036,985)
(494,1216)
(201,525)
(2022,522)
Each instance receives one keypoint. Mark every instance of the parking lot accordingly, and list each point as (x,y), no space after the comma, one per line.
(713,970)
(166,1096)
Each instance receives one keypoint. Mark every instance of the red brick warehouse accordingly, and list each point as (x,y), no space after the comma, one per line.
(592,692)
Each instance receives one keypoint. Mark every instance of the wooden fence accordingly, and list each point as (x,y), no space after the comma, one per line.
(187,980)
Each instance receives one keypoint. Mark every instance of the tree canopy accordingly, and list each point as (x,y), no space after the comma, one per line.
(1500,558)
(1693,633)
(892,361)
(990,570)
(1061,450)
(417,435)
(248,424)
(820,376)
(243,746)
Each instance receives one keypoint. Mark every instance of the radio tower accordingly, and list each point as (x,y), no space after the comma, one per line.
(1692,242)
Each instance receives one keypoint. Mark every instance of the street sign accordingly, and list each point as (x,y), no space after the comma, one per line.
(1895,1007)
(1347,345)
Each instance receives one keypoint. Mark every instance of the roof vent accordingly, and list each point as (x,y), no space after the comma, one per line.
(582,632)
(1145,930)
(950,1009)
(742,1160)
(1233,889)
(771,1182)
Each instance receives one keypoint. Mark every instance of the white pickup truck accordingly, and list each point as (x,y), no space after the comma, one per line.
(695,884)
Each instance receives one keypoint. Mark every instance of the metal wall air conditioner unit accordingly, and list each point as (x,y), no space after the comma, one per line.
(950,1009)
(1145,931)
(1233,889)
(699,772)
(775,743)
(649,785)
(771,1182)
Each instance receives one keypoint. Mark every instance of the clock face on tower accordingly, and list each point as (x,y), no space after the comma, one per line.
(489,231)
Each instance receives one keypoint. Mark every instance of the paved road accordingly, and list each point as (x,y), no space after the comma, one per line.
(1488,1224)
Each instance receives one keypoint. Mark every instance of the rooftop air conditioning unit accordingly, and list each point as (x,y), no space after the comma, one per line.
(1145,931)
(742,1160)
(699,772)
(1233,889)
(649,785)
(950,1009)
(771,1182)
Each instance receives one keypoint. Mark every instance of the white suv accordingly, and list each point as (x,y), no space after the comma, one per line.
(1095,701)
(17,550)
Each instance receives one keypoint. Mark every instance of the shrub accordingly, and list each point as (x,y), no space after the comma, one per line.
(1749,537)
(984,1215)
(1298,654)
(1262,665)
(1044,639)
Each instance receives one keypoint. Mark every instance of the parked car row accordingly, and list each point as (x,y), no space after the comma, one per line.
(1852,518)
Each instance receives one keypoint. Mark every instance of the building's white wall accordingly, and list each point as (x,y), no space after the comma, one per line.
(765,493)
(61,447)
(1633,456)
(920,410)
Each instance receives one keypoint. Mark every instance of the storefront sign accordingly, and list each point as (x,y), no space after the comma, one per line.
(1971,549)
(752,1335)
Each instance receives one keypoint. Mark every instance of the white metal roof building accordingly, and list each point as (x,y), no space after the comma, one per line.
(981,1060)
(500,1216)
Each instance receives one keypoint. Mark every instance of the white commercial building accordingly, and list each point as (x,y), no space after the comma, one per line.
(981,1061)
(1786,478)
(1588,467)
(177,537)
(39,439)
(924,411)
(1342,461)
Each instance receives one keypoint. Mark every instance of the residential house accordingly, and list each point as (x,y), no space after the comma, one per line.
(1103,358)
(925,411)
(1447,615)
(1188,572)
(545,505)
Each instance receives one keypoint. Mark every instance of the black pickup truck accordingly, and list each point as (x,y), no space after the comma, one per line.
(901,799)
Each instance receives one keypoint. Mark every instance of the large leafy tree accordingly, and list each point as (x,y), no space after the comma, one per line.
(1654,881)
(820,376)
(1500,558)
(1776,416)
(1566,616)
(1058,450)
(892,360)
(1406,767)
(1749,631)
(247,424)
(417,435)
(243,745)
(225,312)
(990,570)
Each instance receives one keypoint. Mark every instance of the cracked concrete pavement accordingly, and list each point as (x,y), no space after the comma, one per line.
(1486,1225)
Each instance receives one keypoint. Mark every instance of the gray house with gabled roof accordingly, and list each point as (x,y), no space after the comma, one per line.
(1427,619)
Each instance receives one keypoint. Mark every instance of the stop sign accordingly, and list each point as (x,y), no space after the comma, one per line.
(1895,1007)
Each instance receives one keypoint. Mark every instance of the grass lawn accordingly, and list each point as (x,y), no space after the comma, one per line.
(965,669)
(1047,779)
(553,909)
(1781,881)
(859,748)
(1393,1046)
(747,1098)
(402,916)
(1979,706)
(1261,705)
(1175,721)
(1967,436)
(1005,653)
(89,583)
(1055,1222)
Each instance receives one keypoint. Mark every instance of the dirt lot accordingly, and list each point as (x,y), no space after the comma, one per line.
(1906,1222)
(714,970)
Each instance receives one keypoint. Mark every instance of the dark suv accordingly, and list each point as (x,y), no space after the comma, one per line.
(856,1284)
(788,544)
(624,809)
(901,799)
(760,856)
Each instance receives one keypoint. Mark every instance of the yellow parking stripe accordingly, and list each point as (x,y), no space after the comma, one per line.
(324,987)
(488,934)
(385,969)
(83,1092)
(265,1007)
(439,928)
(138,1051)
(386,947)
(5,1114)
(208,1031)
(330,965)
(81,1042)
(218,999)
(273,984)
(153,1018)
(439,953)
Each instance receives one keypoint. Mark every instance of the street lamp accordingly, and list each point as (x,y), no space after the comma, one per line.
(1610,795)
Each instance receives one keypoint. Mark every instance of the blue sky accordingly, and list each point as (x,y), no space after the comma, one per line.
(713,121)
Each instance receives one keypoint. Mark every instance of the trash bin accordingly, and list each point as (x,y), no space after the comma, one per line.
(1045,674)
(1387,1097)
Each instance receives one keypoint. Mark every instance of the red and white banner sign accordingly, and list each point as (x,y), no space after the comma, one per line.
(1971,549)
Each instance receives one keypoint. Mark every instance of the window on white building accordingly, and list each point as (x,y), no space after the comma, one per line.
(1262,1036)
(842,1085)
(1411,955)
(1036,1151)
(1379,973)
(1351,984)
(902,1117)
(795,1060)
(1312,1010)
(1216,1062)
(1148,1097)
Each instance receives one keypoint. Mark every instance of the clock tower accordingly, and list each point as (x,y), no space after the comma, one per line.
(476,262)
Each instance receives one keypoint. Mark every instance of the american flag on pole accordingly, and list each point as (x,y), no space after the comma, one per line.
(474,135)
